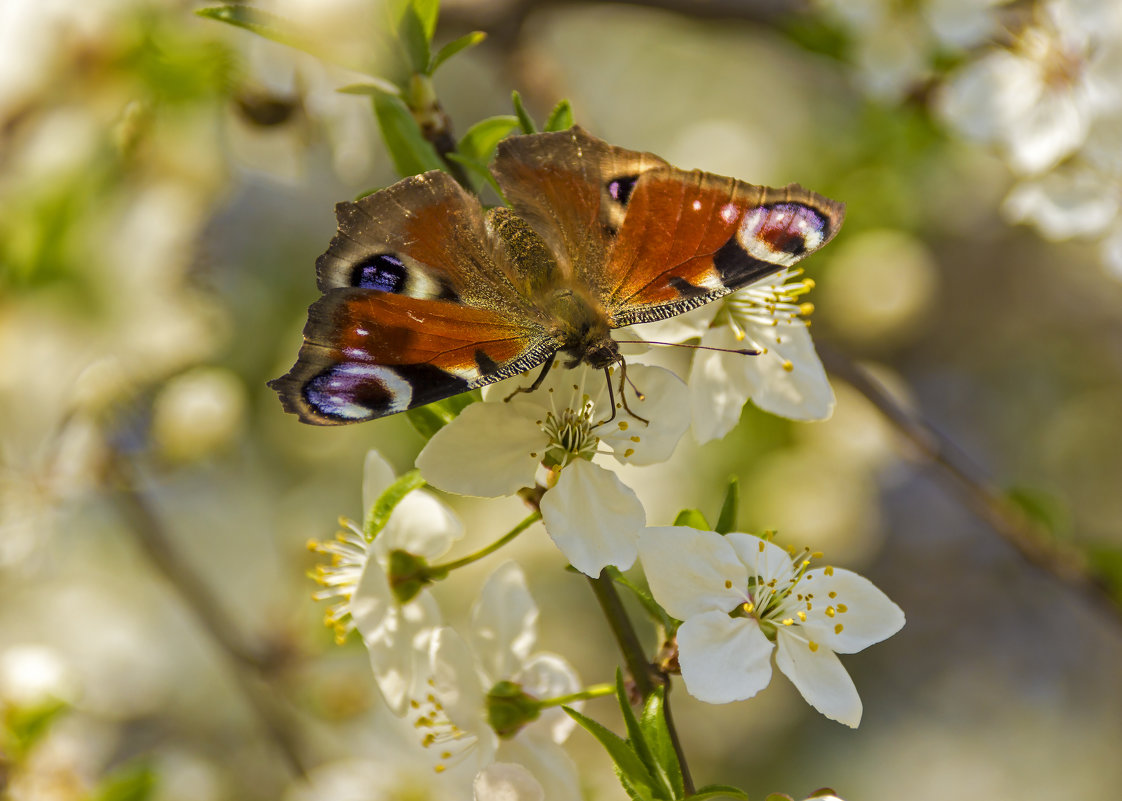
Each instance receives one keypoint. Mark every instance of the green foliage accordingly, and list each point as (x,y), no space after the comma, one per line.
(434,416)
(272,27)
(24,726)
(477,147)
(561,118)
(1042,508)
(524,118)
(726,520)
(654,611)
(411,153)
(379,514)
(468,40)
(692,518)
(134,782)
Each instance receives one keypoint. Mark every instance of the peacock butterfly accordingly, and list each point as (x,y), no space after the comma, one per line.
(426,295)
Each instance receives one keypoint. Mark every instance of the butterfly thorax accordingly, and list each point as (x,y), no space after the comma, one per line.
(573,318)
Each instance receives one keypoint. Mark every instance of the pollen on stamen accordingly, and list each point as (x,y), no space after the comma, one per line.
(635,438)
(829,611)
(788,366)
(749,607)
(629,452)
(813,646)
(622,425)
(728,584)
(790,621)
(833,594)
(829,571)
(801,615)
(843,608)
(838,628)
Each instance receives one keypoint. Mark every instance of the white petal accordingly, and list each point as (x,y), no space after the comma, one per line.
(504,621)
(391,632)
(665,404)
(547,675)
(593,517)
(1064,204)
(723,659)
(548,763)
(377,475)
(869,616)
(491,449)
(506,781)
(762,557)
(1048,131)
(421,525)
(820,677)
(1112,252)
(719,386)
(791,381)
(680,327)
(691,571)
(458,684)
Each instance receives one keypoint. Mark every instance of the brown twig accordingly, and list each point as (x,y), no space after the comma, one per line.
(978,492)
(248,664)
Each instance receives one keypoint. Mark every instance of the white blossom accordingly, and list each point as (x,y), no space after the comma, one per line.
(567,425)
(741,597)
(395,633)
(786,378)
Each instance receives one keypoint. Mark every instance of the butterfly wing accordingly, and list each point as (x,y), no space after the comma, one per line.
(417,306)
(368,354)
(649,240)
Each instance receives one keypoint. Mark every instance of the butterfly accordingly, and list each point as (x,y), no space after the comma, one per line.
(426,295)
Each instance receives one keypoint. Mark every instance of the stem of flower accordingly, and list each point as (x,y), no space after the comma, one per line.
(595,691)
(645,675)
(529,520)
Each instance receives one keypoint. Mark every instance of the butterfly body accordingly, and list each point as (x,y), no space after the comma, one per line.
(425,295)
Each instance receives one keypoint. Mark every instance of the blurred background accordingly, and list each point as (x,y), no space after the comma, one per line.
(166,183)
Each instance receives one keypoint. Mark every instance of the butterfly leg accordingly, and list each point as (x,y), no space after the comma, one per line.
(537,381)
(623,381)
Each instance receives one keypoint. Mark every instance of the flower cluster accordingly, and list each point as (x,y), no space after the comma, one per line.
(1051,100)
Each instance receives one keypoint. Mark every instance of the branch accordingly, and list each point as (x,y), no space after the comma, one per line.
(977,491)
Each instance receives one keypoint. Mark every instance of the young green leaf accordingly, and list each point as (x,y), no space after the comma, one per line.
(454,47)
(692,518)
(657,734)
(434,416)
(656,612)
(136,782)
(275,29)
(374,87)
(476,168)
(721,791)
(638,742)
(561,118)
(726,521)
(412,26)
(412,154)
(379,514)
(481,139)
(524,118)
(631,771)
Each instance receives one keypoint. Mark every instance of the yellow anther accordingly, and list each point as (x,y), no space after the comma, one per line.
(635,438)
(728,584)
(838,628)
(761,546)
(312,545)
(628,452)
(817,555)
(843,608)
(801,615)
(833,594)
(813,646)
(806,309)
(809,283)
(439,769)
(788,622)
(829,571)
(622,425)
(748,606)
(829,611)
(445,754)
(787,365)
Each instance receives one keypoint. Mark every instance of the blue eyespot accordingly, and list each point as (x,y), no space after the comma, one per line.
(382,272)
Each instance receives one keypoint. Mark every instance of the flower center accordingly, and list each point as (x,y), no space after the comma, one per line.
(570,429)
(773,306)
(340,576)
(446,741)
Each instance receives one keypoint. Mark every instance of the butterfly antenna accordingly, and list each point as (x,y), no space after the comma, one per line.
(738,351)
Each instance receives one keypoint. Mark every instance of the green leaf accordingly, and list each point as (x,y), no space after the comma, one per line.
(454,47)
(376,86)
(723,791)
(657,734)
(412,154)
(726,521)
(692,518)
(778,797)
(379,514)
(135,782)
(413,23)
(634,775)
(27,724)
(561,118)
(274,28)
(635,736)
(432,417)
(656,612)
(477,168)
(481,139)
(524,118)
(1043,508)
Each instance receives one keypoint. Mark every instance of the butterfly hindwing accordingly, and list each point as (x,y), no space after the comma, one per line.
(368,354)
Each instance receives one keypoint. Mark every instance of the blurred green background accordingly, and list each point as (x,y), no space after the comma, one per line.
(166,184)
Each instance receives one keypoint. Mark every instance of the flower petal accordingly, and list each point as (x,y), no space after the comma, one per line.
(869,615)
(506,781)
(719,386)
(377,475)
(664,404)
(491,449)
(691,571)
(504,622)
(593,517)
(547,762)
(790,380)
(392,633)
(457,683)
(421,525)
(723,658)
(547,675)
(820,677)
(762,557)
